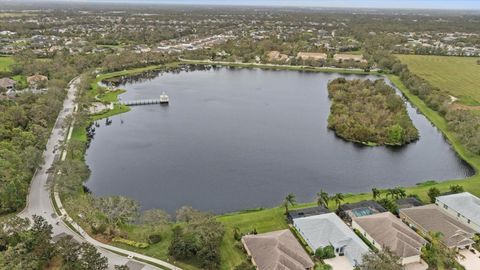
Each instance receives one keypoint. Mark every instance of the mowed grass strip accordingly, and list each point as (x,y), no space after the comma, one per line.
(458,76)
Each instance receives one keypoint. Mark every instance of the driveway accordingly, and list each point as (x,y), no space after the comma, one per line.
(470,261)
(416,266)
(339,263)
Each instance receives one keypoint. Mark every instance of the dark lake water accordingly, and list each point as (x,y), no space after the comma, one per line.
(233,139)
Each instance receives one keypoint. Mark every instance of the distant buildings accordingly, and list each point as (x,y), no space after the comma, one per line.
(7,84)
(36,80)
(312,56)
(276,56)
(349,57)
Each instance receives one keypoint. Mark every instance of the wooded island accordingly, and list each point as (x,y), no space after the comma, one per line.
(369,112)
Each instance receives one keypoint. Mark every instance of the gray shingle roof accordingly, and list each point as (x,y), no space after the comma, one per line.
(464,203)
(328,229)
(432,219)
(277,250)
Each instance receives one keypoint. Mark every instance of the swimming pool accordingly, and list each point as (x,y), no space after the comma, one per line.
(360,212)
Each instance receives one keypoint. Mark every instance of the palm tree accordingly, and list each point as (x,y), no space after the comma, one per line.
(289,199)
(401,193)
(323,198)
(390,192)
(375,193)
(338,198)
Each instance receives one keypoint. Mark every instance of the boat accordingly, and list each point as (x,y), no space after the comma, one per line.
(164,99)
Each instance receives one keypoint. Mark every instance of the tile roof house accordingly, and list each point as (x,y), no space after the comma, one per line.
(7,83)
(430,218)
(36,79)
(328,229)
(276,250)
(464,206)
(311,56)
(349,57)
(384,230)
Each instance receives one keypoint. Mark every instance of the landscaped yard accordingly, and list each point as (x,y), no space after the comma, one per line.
(459,76)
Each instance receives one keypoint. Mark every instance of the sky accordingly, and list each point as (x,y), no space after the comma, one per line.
(406,4)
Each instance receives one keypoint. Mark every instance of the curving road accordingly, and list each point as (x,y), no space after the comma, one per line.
(39,201)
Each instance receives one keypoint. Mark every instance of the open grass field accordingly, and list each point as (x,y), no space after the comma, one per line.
(5,63)
(459,76)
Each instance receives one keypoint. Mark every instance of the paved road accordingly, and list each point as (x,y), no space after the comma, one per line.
(39,201)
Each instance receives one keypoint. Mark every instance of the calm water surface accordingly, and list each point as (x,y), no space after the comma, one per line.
(233,139)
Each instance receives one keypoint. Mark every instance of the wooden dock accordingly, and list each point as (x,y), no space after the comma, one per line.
(142,102)
(164,99)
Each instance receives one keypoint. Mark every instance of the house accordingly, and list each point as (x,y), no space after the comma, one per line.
(36,80)
(277,56)
(430,218)
(364,208)
(276,250)
(384,230)
(349,57)
(7,84)
(408,202)
(306,212)
(311,56)
(329,230)
(464,206)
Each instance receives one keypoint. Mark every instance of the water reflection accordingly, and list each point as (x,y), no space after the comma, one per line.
(233,139)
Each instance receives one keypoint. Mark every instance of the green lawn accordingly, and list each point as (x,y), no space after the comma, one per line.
(5,63)
(459,76)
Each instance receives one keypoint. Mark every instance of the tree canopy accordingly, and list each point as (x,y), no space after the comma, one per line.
(369,112)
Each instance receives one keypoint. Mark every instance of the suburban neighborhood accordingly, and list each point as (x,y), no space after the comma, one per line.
(364,227)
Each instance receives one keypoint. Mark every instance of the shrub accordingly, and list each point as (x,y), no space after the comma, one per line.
(154,238)
(456,189)
(323,266)
(433,193)
(325,253)
(130,242)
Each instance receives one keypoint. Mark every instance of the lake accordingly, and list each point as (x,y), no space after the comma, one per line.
(234,139)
